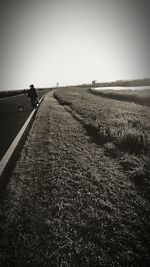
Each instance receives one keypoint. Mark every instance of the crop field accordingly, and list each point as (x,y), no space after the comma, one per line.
(141,96)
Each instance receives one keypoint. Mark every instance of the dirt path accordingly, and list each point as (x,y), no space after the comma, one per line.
(67,203)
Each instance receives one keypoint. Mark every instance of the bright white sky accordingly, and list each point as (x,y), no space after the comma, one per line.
(72,41)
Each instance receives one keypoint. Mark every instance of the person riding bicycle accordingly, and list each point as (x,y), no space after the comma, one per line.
(32,93)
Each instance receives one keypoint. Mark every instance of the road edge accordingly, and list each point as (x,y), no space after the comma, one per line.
(9,156)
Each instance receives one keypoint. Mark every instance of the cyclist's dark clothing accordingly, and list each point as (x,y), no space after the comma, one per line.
(32,93)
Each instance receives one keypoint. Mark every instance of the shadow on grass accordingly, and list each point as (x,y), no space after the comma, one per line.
(94,134)
(139,175)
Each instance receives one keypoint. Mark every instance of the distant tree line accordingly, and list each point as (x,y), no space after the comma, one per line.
(9,93)
(138,82)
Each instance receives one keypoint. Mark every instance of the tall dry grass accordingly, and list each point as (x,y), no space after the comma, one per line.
(121,128)
(126,125)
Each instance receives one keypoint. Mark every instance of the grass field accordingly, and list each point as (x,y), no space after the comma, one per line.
(122,128)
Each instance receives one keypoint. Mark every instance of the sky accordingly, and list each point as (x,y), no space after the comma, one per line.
(73,41)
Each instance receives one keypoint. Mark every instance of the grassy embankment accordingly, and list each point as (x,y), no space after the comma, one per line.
(141,97)
(121,128)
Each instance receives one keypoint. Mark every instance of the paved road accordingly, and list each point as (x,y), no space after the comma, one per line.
(11,120)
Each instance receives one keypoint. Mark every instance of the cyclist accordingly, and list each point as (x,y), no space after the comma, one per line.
(32,93)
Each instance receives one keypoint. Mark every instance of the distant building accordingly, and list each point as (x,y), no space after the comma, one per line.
(57,84)
(93,83)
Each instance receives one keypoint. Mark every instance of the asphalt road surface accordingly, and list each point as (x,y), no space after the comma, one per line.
(11,119)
